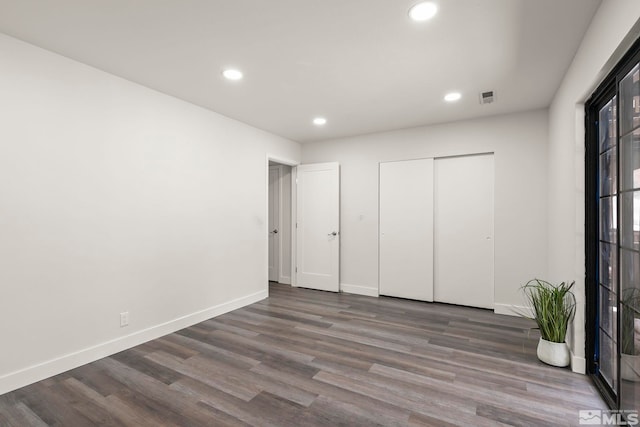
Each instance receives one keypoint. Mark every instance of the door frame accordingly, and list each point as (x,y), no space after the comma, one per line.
(286,162)
(278,225)
(592,238)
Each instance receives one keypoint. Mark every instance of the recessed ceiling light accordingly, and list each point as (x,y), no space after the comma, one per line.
(319,121)
(232,74)
(452,96)
(423,11)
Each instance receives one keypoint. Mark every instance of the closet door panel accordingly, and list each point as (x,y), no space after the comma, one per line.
(464,258)
(406,229)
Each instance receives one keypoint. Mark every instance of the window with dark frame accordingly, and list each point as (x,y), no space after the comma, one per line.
(612,234)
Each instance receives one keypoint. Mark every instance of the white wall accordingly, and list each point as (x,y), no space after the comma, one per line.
(608,36)
(519,142)
(113,198)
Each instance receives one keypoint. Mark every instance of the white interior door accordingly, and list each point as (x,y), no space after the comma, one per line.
(406,229)
(318,226)
(464,188)
(274,223)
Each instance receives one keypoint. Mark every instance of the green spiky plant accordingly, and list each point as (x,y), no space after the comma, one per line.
(553,307)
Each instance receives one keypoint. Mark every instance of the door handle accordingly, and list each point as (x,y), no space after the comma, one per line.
(275,231)
(333,233)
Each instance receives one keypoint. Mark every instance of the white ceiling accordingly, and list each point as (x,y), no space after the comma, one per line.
(360,63)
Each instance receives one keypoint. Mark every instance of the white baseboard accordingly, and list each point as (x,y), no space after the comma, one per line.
(512,310)
(32,374)
(359,290)
(578,364)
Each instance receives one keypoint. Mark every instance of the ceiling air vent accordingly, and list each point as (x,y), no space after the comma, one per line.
(487,97)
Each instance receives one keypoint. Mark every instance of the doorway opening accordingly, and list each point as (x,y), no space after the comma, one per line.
(303,219)
(279,222)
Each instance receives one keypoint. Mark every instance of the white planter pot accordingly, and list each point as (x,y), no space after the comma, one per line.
(553,353)
(630,367)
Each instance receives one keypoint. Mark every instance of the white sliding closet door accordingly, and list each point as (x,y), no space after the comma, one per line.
(406,229)
(464,230)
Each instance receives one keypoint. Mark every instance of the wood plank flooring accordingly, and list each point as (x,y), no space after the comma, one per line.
(311,358)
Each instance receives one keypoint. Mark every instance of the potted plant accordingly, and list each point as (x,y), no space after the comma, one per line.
(630,334)
(553,307)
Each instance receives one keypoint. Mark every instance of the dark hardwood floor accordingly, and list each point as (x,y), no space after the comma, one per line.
(306,358)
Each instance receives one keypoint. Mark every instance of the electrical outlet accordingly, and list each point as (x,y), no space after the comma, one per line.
(124,319)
